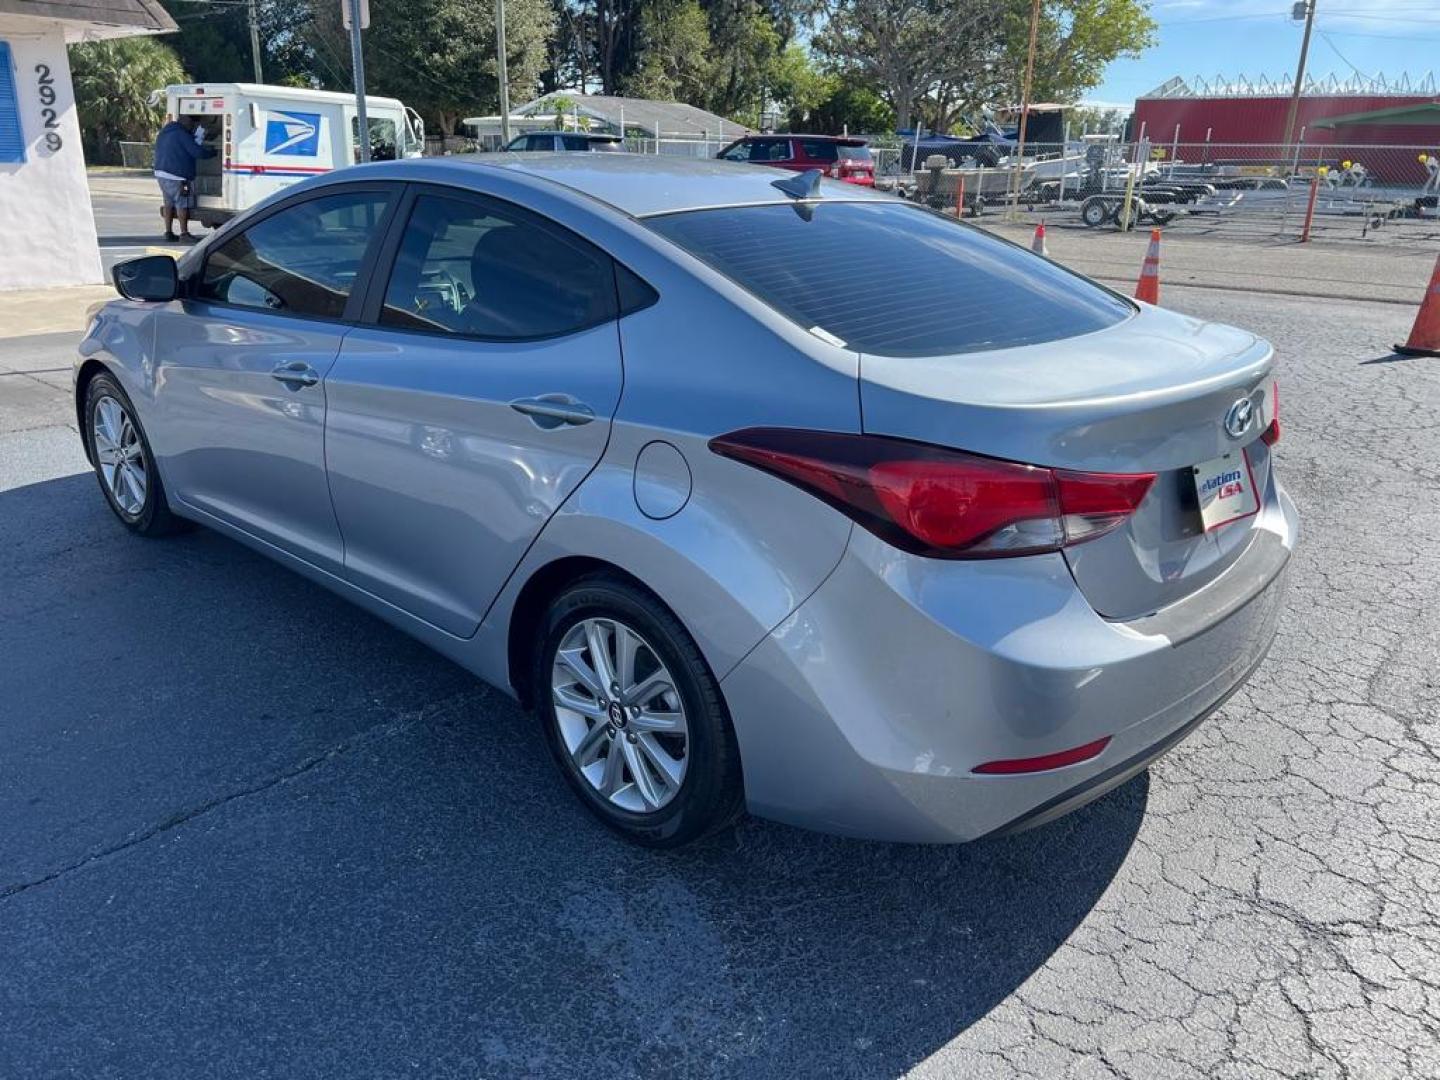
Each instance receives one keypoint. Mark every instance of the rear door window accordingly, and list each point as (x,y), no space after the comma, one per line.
(892,279)
(770,150)
(819,150)
(482,268)
(302,260)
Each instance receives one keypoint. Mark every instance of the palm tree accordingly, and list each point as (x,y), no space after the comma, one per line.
(115,83)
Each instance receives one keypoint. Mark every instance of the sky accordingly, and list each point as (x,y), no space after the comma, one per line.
(1258,37)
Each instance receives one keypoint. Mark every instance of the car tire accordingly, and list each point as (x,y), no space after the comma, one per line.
(123,461)
(1093,212)
(708,794)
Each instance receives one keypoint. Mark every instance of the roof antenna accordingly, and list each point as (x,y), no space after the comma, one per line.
(805,185)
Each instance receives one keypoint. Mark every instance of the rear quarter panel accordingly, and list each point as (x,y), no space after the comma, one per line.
(744,549)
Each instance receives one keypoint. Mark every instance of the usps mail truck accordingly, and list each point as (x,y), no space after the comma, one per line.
(269,137)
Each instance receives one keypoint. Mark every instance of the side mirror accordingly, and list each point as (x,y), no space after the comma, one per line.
(151,277)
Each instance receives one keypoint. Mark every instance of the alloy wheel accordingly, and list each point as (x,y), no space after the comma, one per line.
(619,715)
(119,454)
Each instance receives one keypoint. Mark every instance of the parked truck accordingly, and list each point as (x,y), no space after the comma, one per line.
(269,137)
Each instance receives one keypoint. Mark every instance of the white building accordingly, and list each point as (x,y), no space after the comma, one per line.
(47,229)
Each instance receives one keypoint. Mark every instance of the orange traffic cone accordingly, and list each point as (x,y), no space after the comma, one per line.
(1148,288)
(1425,334)
(1037,245)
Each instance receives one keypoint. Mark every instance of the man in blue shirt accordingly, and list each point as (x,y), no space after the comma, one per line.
(177,148)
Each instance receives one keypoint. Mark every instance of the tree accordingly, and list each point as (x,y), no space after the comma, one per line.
(908,48)
(851,106)
(616,25)
(570,62)
(214,40)
(745,46)
(1077,39)
(115,82)
(438,56)
(1096,118)
(675,50)
(800,88)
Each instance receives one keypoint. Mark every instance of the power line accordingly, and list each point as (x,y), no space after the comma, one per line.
(1380,37)
(1386,18)
(1342,56)
(335,70)
(1227,18)
(1348,13)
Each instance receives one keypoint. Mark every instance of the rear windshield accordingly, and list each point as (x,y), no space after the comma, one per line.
(854,153)
(893,279)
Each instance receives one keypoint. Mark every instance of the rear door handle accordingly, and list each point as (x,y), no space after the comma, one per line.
(297,372)
(553,410)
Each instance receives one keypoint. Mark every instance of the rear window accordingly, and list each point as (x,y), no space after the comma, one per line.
(854,153)
(818,149)
(893,279)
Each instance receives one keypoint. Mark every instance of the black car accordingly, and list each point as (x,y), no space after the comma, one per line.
(566,140)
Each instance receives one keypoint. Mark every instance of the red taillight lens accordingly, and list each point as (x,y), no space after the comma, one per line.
(1045,762)
(943,503)
(1095,503)
(1271,435)
(950,505)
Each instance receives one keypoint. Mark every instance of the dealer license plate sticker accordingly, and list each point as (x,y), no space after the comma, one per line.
(1226,489)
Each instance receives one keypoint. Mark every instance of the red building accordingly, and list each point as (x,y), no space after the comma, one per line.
(1245,122)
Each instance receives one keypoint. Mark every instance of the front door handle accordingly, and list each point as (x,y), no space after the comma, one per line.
(553,410)
(297,372)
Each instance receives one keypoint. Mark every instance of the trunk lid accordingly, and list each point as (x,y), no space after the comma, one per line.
(1150,394)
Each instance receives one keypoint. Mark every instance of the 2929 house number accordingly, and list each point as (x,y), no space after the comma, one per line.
(45,83)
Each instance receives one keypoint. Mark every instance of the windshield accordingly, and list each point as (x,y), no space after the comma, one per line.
(892,279)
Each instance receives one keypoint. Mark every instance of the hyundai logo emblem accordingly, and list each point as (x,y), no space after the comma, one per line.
(1237,419)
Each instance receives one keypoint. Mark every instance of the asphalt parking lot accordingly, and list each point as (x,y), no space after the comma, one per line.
(251,831)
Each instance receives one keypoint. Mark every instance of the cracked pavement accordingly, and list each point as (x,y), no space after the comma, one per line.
(250,831)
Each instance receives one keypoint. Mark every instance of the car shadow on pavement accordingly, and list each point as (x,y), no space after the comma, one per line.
(253,830)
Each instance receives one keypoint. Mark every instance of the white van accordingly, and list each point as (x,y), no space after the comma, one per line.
(269,137)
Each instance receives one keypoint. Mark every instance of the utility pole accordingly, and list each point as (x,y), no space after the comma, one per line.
(500,68)
(255,42)
(1025,106)
(1309,8)
(357,65)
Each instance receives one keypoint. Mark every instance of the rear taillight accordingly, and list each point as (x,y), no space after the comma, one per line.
(943,503)
(1271,435)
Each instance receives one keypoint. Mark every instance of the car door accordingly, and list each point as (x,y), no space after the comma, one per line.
(475,399)
(240,365)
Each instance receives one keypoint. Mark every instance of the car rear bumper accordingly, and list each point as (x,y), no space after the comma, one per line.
(867,710)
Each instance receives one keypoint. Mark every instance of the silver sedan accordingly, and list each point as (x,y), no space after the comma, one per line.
(761,491)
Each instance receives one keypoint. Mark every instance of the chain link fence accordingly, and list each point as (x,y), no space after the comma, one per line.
(691,148)
(137,155)
(1265,191)
(638,144)
(441,145)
